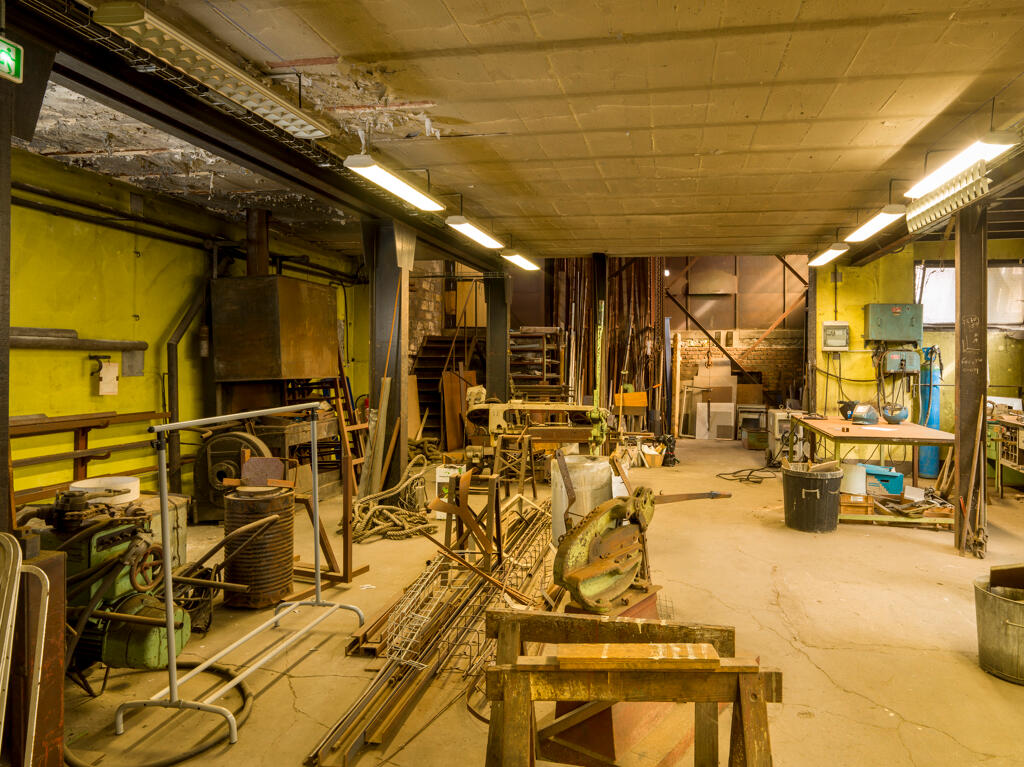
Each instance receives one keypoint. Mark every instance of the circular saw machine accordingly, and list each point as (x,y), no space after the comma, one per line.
(605,555)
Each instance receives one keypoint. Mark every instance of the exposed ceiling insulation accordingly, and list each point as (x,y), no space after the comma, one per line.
(647,127)
(80,132)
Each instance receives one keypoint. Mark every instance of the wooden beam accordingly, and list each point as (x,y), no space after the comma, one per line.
(556,628)
(714,340)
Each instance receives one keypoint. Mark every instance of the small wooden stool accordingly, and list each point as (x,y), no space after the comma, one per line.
(604,661)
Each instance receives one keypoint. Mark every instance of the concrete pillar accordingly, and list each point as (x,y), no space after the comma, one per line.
(389,249)
(971,373)
(497,294)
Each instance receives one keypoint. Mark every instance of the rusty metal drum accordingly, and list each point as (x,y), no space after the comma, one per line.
(265,564)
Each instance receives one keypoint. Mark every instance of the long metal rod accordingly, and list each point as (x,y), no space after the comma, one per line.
(313,465)
(171,691)
(177,426)
(37,662)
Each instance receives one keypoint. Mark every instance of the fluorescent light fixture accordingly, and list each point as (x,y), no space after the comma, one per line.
(171,45)
(521,261)
(987,149)
(371,170)
(462,225)
(882,219)
(834,251)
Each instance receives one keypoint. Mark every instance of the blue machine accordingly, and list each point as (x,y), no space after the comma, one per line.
(931,376)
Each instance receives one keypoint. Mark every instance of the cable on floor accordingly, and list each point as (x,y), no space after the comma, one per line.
(749,476)
(248,699)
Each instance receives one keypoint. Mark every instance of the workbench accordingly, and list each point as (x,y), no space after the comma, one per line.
(1009,446)
(840,431)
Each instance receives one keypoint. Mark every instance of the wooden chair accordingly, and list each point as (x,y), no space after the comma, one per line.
(515,682)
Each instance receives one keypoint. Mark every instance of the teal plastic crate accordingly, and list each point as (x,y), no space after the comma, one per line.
(883,479)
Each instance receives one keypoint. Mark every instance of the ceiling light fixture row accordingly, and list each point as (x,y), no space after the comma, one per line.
(984,150)
(135,22)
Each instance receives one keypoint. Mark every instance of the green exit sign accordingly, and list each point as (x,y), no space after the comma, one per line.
(12,59)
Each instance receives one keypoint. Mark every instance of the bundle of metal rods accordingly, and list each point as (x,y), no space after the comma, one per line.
(449,633)
(634,336)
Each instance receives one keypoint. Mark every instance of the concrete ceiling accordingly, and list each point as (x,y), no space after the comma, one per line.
(648,127)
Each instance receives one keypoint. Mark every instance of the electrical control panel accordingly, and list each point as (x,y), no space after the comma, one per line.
(901,361)
(901,323)
(835,336)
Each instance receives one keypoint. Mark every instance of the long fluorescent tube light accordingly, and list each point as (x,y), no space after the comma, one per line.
(882,219)
(834,251)
(987,149)
(462,225)
(371,170)
(521,261)
(171,45)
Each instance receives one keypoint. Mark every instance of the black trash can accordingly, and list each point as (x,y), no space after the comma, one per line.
(811,499)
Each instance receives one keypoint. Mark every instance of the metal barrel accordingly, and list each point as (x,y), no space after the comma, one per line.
(1000,613)
(265,564)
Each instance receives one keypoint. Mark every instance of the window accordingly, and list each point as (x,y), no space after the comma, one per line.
(936,288)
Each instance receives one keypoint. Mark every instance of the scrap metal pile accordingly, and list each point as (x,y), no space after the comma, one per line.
(438,625)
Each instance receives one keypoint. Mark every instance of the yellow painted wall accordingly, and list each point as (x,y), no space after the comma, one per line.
(113,285)
(891,280)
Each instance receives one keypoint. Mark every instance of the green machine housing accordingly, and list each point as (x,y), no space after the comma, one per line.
(898,323)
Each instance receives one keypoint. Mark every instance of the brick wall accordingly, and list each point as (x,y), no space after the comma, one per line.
(779,358)
(426,313)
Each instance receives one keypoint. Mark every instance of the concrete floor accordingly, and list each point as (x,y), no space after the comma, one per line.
(873,628)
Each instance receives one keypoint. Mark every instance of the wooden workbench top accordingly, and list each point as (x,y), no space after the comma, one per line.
(897,434)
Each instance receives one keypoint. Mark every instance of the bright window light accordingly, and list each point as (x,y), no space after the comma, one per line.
(521,261)
(882,219)
(171,45)
(834,251)
(462,225)
(371,170)
(987,149)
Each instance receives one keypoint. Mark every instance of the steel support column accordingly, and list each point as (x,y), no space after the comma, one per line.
(257,242)
(971,377)
(389,249)
(496,293)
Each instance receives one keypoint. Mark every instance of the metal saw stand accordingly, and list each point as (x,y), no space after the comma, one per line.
(173,699)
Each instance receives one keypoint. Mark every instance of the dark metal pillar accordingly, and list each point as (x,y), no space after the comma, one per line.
(6,125)
(497,294)
(811,344)
(971,377)
(389,248)
(257,242)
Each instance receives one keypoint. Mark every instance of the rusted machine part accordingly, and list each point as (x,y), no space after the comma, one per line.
(606,553)
(264,564)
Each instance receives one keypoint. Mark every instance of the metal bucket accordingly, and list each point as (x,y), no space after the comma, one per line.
(1000,614)
(265,564)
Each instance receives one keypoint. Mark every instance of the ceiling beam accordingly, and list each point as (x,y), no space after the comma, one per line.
(97,73)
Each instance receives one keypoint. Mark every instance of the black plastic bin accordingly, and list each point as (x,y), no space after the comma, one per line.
(811,499)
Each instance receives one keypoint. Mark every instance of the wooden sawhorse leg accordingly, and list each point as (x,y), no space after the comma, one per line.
(749,744)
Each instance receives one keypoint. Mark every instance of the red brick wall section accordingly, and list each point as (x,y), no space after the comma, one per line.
(779,358)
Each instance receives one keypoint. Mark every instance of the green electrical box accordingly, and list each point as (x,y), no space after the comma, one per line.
(900,323)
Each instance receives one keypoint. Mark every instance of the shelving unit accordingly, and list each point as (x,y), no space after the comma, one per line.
(535,357)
